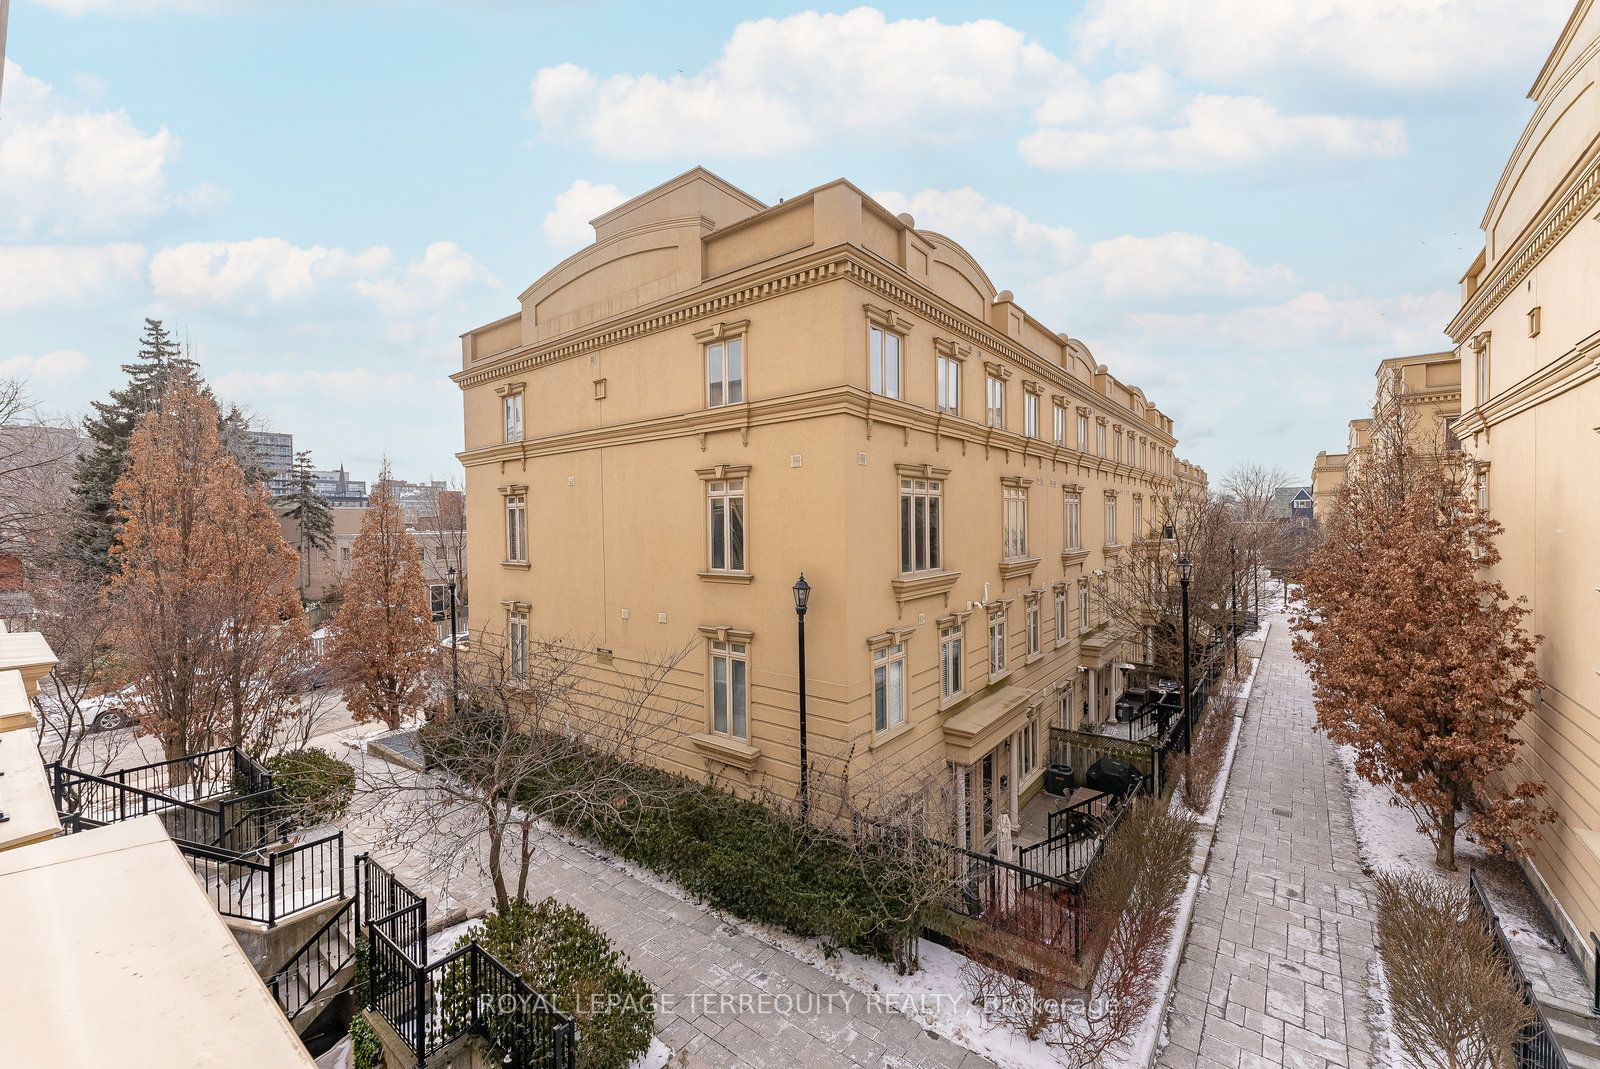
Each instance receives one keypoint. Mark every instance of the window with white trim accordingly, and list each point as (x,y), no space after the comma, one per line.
(1144,454)
(952,647)
(1061,616)
(1100,439)
(1030,414)
(1138,518)
(517,644)
(995,392)
(1072,525)
(1015,533)
(725,372)
(730,692)
(1111,520)
(725,525)
(1480,479)
(1083,433)
(920,524)
(949,386)
(1059,425)
(1033,628)
(997,644)
(517,528)
(1083,604)
(1483,373)
(888,686)
(1116,446)
(883,355)
(513,413)
(1028,747)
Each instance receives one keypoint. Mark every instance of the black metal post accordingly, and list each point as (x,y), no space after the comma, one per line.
(805,775)
(1233,573)
(455,677)
(1188,719)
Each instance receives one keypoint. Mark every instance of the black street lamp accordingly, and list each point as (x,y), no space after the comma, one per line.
(1233,578)
(802,594)
(455,676)
(1185,567)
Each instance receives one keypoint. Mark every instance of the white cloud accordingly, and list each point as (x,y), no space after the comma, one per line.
(52,368)
(1407,44)
(215,272)
(1213,131)
(1411,322)
(357,385)
(1059,268)
(67,171)
(567,224)
(444,272)
(58,274)
(789,84)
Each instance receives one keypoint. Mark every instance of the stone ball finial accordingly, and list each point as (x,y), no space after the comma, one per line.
(905,217)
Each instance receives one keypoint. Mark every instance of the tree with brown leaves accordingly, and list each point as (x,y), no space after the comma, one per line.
(383,646)
(204,619)
(1418,659)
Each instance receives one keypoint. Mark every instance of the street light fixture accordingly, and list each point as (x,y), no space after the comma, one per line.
(1185,568)
(802,595)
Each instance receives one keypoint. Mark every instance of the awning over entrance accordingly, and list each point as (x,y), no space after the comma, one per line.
(979,728)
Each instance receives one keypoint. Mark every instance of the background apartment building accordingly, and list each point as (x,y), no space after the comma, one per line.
(1528,336)
(719,395)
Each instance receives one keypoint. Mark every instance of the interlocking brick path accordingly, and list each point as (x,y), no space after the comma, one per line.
(1275,970)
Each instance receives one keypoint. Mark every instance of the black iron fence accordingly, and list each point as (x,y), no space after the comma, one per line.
(273,886)
(1015,900)
(466,992)
(319,961)
(1536,1048)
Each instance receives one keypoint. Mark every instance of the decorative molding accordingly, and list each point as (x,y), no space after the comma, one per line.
(1016,482)
(728,750)
(893,637)
(889,319)
(724,633)
(955,618)
(954,350)
(911,587)
(512,605)
(920,471)
(506,389)
(743,578)
(719,472)
(1021,566)
(722,331)
(512,490)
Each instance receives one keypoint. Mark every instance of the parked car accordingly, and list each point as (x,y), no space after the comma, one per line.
(1112,775)
(313,675)
(108,712)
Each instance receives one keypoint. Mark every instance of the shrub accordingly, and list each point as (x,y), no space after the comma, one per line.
(570,962)
(1455,1001)
(313,786)
(365,1051)
(1203,765)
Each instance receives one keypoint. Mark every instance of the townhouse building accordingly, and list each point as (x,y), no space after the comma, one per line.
(718,395)
(1528,337)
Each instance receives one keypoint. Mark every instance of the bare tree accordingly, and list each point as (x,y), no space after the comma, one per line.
(65,613)
(564,740)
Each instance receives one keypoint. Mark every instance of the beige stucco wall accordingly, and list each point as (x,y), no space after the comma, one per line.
(1536,430)
(618,438)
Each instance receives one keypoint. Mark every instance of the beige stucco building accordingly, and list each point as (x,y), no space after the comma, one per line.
(717,395)
(1420,393)
(1528,334)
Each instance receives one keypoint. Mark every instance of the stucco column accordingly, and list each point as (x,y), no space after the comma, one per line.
(1016,764)
(963,817)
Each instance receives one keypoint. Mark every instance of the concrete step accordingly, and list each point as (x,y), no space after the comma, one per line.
(1577,1034)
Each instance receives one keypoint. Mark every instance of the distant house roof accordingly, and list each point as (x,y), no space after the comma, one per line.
(1287,498)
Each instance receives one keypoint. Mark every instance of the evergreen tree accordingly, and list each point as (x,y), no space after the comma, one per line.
(110,429)
(310,512)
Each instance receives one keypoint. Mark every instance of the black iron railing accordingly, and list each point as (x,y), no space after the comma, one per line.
(317,963)
(466,992)
(1536,1048)
(1015,900)
(273,886)
(1076,835)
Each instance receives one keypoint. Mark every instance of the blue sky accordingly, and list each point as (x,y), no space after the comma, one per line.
(1241,206)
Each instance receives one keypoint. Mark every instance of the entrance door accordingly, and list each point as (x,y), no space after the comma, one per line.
(987,777)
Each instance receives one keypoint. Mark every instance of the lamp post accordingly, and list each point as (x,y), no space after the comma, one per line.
(1233,578)
(802,594)
(1185,566)
(455,682)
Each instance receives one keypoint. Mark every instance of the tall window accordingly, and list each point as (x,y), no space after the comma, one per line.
(1480,480)
(725,372)
(1060,425)
(1083,604)
(949,399)
(725,504)
(1111,521)
(1138,518)
(1030,415)
(517,644)
(888,686)
(517,528)
(729,692)
(920,524)
(1483,373)
(1061,615)
(883,352)
(1100,439)
(1144,454)
(1073,523)
(952,643)
(1028,747)
(996,392)
(1116,446)
(1083,433)
(997,645)
(1033,628)
(513,409)
(1016,522)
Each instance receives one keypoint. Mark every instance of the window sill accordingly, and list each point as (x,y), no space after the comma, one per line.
(1073,556)
(1016,569)
(922,585)
(1033,659)
(946,704)
(996,677)
(729,751)
(888,735)
(514,564)
(726,577)
(1060,642)
(1110,547)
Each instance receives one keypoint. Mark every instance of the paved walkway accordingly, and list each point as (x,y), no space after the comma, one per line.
(728,999)
(1275,971)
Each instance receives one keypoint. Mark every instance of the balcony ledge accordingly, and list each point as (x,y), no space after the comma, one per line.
(1016,569)
(728,751)
(914,586)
